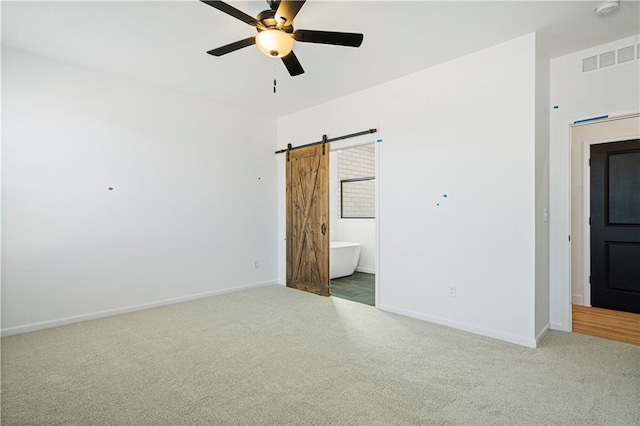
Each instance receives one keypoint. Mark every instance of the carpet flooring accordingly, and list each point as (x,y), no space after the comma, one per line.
(275,355)
(358,287)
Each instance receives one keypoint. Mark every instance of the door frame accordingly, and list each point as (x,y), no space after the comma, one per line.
(586,232)
(586,228)
(374,137)
(352,143)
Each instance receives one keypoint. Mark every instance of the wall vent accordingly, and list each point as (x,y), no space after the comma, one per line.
(607,59)
(622,55)
(626,54)
(590,63)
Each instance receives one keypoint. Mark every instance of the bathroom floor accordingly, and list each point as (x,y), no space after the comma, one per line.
(359,287)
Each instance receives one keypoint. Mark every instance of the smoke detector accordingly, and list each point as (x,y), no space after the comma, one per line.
(607,7)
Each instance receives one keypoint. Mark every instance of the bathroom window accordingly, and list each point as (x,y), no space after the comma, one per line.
(357,198)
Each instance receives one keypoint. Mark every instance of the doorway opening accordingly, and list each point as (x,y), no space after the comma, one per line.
(310,220)
(353,223)
(605,233)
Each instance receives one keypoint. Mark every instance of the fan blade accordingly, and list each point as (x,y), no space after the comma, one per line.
(292,64)
(329,37)
(230,10)
(288,10)
(223,50)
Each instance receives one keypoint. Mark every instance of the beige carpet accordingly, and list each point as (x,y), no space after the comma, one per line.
(274,355)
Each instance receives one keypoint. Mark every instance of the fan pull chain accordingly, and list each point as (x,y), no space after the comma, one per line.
(274,78)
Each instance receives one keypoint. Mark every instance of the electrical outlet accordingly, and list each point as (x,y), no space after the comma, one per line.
(256,264)
(452,291)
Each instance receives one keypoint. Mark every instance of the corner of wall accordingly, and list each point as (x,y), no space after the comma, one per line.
(542,107)
(542,333)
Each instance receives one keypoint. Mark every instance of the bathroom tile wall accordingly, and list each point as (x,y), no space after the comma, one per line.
(359,197)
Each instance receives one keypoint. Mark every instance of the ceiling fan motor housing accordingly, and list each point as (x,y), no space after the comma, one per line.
(266,17)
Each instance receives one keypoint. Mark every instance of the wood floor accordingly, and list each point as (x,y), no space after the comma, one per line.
(612,325)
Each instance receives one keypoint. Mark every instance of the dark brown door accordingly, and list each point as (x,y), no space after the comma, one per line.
(615,226)
(308,219)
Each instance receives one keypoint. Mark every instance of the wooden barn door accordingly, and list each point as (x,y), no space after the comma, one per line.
(308,219)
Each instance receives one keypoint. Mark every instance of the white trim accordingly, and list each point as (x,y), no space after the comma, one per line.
(367,139)
(567,314)
(542,333)
(523,341)
(556,326)
(577,299)
(606,118)
(376,278)
(564,216)
(117,311)
(586,229)
(586,195)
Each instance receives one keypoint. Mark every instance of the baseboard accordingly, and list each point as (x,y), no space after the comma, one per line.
(531,343)
(577,299)
(366,270)
(117,311)
(542,333)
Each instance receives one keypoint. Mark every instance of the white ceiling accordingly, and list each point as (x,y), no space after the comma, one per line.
(164,43)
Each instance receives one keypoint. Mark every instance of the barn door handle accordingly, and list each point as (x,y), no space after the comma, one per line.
(323,228)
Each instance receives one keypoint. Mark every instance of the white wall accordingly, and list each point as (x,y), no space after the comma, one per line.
(609,91)
(191,209)
(465,128)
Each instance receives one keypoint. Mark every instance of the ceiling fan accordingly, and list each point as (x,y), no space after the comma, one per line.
(276,35)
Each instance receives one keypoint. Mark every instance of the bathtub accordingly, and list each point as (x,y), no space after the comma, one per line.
(343,259)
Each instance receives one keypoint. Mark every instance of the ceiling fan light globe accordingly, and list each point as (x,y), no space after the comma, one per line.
(274,43)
